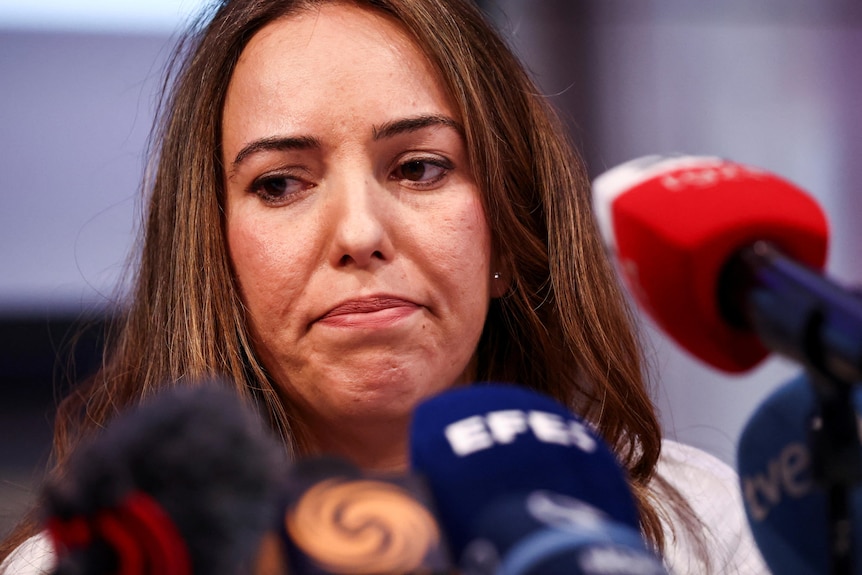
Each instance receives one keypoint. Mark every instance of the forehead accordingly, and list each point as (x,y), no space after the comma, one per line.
(312,29)
(337,39)
(358,54)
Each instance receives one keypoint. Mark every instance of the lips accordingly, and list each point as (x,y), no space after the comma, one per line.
(371,310)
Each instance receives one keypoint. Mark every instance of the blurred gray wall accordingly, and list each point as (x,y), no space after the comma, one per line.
(775,84)
(76,110)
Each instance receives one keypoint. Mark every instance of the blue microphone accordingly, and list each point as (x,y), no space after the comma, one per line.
(522,486)
(787,508)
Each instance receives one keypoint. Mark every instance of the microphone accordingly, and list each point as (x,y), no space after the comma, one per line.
(725,258)
(186,483)
(780,459)
(522,486)
(338,519)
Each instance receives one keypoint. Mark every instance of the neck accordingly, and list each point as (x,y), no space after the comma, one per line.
(372,446)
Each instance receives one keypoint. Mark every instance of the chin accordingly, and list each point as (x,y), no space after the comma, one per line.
(393,398)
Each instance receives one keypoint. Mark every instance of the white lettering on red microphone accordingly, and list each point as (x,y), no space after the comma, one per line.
(707,175)
(502,427)
(789,474)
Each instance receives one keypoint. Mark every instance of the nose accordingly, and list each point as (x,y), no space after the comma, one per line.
(359,214)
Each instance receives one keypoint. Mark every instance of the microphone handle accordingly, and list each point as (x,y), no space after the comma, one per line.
(794,311)
(800,314)
(837,467)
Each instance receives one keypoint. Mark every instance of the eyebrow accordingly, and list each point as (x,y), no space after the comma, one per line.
(413,124)
(275,144)
(386,130)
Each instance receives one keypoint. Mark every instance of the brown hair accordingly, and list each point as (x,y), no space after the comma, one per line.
(563,329)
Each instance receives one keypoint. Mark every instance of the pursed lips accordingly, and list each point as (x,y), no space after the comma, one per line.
(366,310)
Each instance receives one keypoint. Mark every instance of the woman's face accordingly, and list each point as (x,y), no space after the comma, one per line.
(354,224)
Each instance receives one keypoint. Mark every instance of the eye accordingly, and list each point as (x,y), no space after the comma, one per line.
(423,172)
(278,189)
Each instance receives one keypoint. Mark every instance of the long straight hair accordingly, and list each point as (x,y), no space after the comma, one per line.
(563,328)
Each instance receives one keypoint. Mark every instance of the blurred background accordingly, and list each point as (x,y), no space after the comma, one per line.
(776,84)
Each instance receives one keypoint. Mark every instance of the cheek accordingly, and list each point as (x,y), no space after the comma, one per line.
(465,247)
(469,280)
(264,261)
(473,238)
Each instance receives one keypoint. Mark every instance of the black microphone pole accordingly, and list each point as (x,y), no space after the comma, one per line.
(795,311)
(802,315)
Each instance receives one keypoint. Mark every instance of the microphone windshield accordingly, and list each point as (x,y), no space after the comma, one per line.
(187,482)
(475,445)
(673,223)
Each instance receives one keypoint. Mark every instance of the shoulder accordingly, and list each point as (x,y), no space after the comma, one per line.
(698,474)
(711,488)
(33,557)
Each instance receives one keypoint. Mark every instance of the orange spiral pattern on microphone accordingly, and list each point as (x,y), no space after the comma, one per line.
(361,527)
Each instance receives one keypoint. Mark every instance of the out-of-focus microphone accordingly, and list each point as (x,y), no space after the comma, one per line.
(726,259)
(524,487)
(787,507)
(340,520)
(187,483)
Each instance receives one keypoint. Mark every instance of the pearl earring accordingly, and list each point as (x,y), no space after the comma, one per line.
(497,275)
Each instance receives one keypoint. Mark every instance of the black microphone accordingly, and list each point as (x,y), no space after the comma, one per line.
(186,483)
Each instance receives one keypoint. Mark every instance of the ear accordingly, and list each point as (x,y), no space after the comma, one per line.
(499,284)
(501,278)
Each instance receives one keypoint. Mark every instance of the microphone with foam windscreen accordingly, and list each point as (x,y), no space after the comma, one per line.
(785,501)
(187,483)
(726,259)
(523,486)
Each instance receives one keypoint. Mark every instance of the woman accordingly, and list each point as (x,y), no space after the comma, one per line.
(356,205)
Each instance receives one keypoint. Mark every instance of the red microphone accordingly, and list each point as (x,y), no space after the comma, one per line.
(697,240)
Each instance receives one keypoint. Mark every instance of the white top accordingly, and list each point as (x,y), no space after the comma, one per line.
(709,485)
(33,557)
(712,490)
